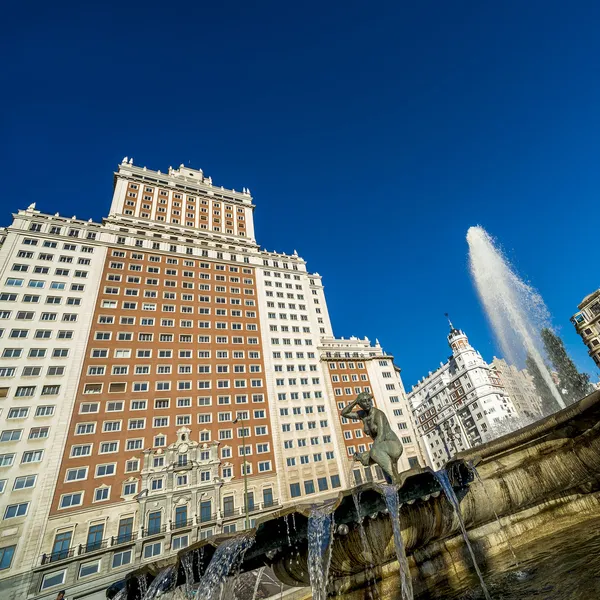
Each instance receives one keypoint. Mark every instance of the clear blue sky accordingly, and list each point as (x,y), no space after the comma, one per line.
(372,135)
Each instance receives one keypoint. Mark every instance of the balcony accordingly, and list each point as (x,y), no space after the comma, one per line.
(231,512)
(125,538)
(206,518)
(56,556)
(182,524)
(92,546)
(154,531)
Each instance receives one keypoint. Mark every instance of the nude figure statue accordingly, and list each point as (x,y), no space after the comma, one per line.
(386,448)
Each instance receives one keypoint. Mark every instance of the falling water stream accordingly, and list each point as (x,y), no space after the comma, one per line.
(187,560)
(224,560)
(390,493)
(516,312)
(320,538)
(367,552)
(442,477)
(142,585)
(508,542)
(160,582)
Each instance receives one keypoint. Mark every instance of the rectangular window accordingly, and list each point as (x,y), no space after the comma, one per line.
(6,556)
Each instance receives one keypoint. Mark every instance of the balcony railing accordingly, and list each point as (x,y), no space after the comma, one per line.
(92,546)
(124,538)
(56,556)
(154,531)
(206,518)
(231,512)
(182,524)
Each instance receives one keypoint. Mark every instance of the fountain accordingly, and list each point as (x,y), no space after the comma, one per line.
(320,534)
(542,481)
(225,559)
(516,312)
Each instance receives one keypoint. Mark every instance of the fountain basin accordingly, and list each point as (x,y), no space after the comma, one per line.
(536,480)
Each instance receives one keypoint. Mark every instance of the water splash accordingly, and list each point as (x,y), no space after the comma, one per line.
(259,574)
(472,468)
(187,561)
(142,585)
(442,477)
(390,494)
(287,528)
(515,310)
(162,583)
(224,560)
(320,537)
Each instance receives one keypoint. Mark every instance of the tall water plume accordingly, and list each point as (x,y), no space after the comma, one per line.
(515,310)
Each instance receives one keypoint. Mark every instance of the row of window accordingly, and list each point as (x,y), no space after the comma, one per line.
(132,445)
(171,272)
(169,369)
(35,298)
(51,371)
(128,336)
(22,412)
(164,386)
(23,482)
(27,391)
(29,315)
(348,391)
(28,457)
(296,395)
(289,355)
(47,257)
(354,377)
(140,423)
(287,428)
(333,366)
(305,459)
(152,306)
(165,403)
(41,283)
(309,485)
(41,334)
(54,230)
(35,353)
(151,321)
(170,260)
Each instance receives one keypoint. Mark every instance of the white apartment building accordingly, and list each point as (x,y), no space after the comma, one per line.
(519,386)
(155,365)
(456,406)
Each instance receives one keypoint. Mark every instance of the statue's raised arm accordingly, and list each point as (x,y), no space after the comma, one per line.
(386,448)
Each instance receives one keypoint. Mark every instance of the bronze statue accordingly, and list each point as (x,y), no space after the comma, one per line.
(386,448)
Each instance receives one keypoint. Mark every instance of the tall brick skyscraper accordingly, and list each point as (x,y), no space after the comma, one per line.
(146,362)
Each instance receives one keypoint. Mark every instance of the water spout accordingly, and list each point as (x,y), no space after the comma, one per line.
(442,477)
(320,534)
(226,557)
(390,493)
(516,312)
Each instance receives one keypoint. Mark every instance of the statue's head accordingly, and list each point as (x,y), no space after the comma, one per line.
(365,401)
